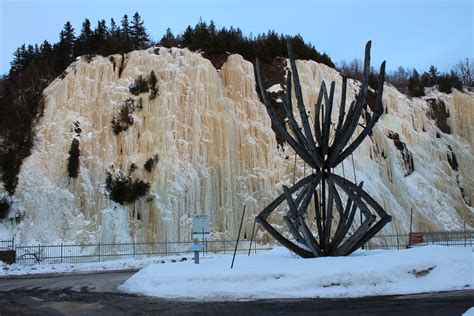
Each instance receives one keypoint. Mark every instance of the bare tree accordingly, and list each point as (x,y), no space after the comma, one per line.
(465,70)
(399,78)
(352,69)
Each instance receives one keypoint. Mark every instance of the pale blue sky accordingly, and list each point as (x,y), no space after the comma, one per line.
(411,33)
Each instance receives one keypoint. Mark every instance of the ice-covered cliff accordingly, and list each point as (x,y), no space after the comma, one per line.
(210,149)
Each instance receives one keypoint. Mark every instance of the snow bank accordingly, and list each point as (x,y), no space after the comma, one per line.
(122,264)
(278,274)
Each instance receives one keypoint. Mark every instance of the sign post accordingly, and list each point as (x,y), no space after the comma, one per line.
(201,230)
(196,248)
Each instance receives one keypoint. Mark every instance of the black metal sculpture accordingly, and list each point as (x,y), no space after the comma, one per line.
(314,146)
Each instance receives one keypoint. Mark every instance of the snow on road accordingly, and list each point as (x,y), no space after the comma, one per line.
(278,274)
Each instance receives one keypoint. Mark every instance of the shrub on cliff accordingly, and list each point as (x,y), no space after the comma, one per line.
(122,189)
(153,85)
(73,160)
(4,207)
(150,163)
(140,85)
(124,119)
(447,82)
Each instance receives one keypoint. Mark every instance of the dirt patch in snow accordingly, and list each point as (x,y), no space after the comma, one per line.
(421,273)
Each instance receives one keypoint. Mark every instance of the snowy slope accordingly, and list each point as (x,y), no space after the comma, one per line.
(217,151)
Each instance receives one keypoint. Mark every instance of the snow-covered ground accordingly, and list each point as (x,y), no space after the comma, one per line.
(278,274)
(123,264)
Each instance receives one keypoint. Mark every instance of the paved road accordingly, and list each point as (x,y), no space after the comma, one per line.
(106,281)
(95,294)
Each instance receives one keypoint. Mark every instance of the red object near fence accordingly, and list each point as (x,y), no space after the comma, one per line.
(416,238)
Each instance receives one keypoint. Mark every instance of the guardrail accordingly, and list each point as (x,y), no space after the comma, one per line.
(414,239)
(7,243)
(73,253)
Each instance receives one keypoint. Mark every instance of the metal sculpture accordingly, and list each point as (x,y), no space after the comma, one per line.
(322,148)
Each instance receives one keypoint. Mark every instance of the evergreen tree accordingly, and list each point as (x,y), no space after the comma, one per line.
(45,48)
(299,46)
(99,38)
(212,29)
(426,79)
(274,44)
(125,29)
(415,88)
(168,40)
(124,43)
(114,30)
(138,33)
(66,46)
(36,50)
(84,40)
(113,41)
(19,60)
(188,36)
(67,37)
(86,31)
(433,72)
(101,30)
(201,36)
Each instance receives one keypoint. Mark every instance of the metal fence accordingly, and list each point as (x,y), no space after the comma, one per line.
(7,243)
(415,239)
(388,242)
(71,253)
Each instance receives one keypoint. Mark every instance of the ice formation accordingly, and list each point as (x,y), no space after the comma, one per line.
(216,151)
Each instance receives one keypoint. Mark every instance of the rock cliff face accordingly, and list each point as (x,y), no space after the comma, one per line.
(204,145)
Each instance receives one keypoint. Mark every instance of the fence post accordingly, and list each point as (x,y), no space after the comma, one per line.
(224,245)
(99,251)
(251,237)
(465,239)
(134,253)
(166,247)
(61,252)
(411,225)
